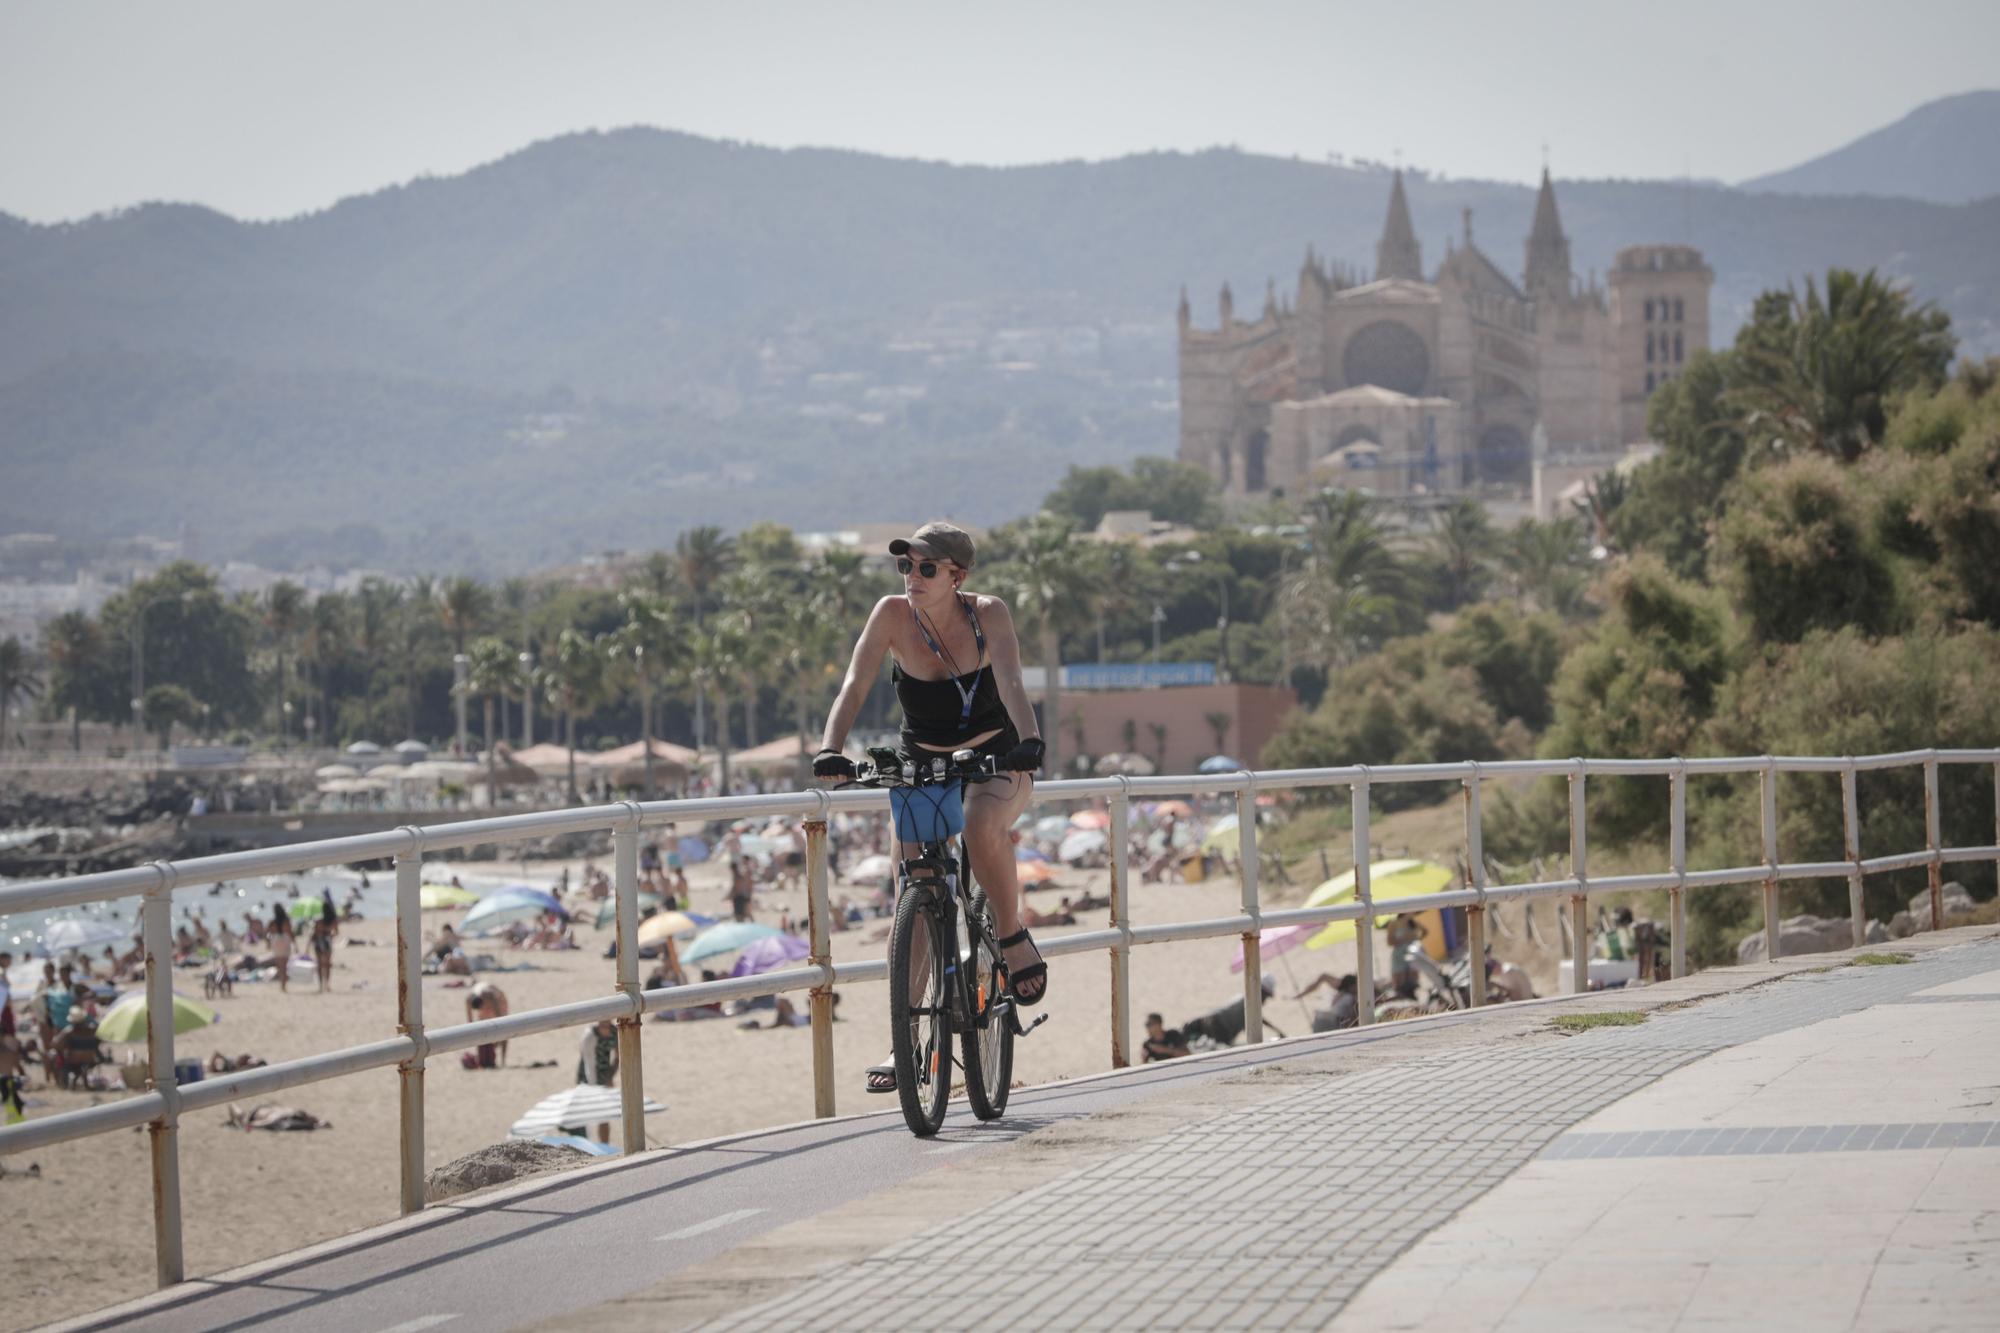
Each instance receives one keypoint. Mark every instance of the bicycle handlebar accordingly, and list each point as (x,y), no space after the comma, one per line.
(886,768)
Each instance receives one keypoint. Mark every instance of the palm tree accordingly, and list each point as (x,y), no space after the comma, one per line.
(464,606)
(843,573)
(493,671)
(1546,561)
(1349,581)
(702,556)
(284,613)
(805,645)
(324,644)
(570,674)
(1821,372)
(1464,545)
(757,596)
(18,679)
(1044,577)
(1159,730)
(714,661)
(72,641)
(1218,722)
(1119,575)
(647,647)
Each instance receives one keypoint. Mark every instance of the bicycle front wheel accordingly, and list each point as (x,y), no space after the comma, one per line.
(920,1009)
(987,1046)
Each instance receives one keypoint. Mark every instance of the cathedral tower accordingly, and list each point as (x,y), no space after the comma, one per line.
(1548,271)
(1397,254)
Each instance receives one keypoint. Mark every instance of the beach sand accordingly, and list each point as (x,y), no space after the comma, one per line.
(83,1230)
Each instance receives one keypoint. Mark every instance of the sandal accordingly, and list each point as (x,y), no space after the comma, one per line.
(1035,971)
(882,1077)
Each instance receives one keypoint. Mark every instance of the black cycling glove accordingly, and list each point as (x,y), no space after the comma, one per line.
(832,764)
(1023,758)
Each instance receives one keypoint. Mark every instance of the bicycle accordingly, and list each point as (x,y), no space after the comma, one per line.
(955,993)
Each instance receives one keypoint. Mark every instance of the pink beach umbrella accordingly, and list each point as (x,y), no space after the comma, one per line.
(1274,941)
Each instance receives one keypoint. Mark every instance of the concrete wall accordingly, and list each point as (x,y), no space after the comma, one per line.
(1254,714)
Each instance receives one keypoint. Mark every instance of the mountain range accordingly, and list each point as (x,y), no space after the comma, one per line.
(1947,151)
(609,336)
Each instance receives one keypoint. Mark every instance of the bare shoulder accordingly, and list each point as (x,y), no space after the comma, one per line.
(992,608)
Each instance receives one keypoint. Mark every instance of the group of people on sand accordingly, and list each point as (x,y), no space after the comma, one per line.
(55,1026)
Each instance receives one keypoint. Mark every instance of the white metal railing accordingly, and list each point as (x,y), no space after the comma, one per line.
(161,1106)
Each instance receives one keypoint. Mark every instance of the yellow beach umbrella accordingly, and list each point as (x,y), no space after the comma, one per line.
(1223,835)
(126,1020)
(431,897)
(665,925)
(1387,881)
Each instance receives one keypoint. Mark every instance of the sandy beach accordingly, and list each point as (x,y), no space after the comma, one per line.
(85,1223)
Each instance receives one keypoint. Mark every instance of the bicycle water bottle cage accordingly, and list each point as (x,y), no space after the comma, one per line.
(931,813)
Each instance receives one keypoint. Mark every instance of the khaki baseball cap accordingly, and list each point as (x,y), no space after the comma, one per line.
(939,541)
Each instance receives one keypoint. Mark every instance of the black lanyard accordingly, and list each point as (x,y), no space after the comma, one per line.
(965,693)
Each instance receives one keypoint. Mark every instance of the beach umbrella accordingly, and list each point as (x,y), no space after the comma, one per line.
(668,925)
(82,933)
(1081,844)
(1387,881)
(1219,763)
(305,910)
(693,850)
(504,908)
(1050,827)
(1027,851)
(1032,873)
(579,1107)
(1178,809)
(412,747)
(1090,819)
(768,954)
(433,897)
(871,867)
(726,937)
(607,911)
(1223,834)
(336,771)
(364,747)
(1272,941)
(126,1020)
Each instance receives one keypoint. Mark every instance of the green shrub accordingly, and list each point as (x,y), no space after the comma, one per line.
(1796,553)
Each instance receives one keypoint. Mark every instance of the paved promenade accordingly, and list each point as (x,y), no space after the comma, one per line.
(1802,1144)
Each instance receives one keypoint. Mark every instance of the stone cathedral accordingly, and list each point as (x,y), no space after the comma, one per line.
(1460,382)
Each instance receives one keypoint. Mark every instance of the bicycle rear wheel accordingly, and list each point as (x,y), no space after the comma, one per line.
(919,1009)
(987,1047)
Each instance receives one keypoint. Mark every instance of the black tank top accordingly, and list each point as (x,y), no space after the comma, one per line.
(957,708)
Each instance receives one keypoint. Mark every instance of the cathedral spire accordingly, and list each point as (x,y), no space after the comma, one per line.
(1548,249)
(1397,254)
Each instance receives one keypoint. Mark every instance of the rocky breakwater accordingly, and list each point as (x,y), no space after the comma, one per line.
(95,823)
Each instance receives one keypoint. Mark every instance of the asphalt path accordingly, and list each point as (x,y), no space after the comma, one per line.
(571,1241)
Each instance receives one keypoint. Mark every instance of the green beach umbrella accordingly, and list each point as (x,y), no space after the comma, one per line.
(431,897)
(126,1020)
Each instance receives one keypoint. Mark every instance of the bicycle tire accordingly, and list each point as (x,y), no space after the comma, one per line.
(921,1042)
(987,1047)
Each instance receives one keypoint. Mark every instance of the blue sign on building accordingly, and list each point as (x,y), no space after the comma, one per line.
(1137,675)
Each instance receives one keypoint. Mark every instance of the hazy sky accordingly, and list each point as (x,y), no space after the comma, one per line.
(267,108)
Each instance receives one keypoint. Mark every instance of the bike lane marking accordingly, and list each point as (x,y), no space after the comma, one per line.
(711,1224)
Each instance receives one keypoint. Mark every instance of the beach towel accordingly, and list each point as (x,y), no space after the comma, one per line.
(269,1116)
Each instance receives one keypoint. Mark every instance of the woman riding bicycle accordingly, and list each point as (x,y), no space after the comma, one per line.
(957,668)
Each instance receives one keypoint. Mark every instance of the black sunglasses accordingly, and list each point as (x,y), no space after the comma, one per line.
(927,568)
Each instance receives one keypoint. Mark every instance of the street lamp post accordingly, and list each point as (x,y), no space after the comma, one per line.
(527,700)
(460,664)
(1190,561)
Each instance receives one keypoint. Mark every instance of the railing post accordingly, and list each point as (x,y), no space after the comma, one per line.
(820,932)
(631,1073)
(1475,879)
(410,1016)
(1996,821)
(1932,820)
(157,929)
(1579,901)
(1677,852)
(1768,789)
(1253,938)
(1121,921)
(1364,925)
(1850,827)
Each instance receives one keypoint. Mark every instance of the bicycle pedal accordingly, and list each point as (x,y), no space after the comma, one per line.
(1014,1021)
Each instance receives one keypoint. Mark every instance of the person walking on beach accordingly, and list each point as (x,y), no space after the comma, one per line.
(487,1000)
(323,929)
(598,1063)
(281,937)
(742,888)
